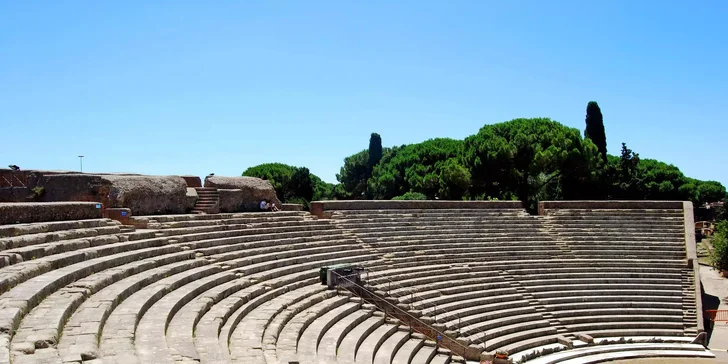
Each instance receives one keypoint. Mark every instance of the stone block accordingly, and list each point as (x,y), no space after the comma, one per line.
(122,215)
(253,190)
(192,181)
(291,207)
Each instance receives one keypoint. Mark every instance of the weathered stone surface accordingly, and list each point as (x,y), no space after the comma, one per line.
(192,181)
(319,207)
(252,191)
(12,213)
(15,194)
(544,206)
(231,200)
(191,198)
(291,207)
(145,195)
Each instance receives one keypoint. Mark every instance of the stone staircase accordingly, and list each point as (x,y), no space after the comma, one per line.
(208,202)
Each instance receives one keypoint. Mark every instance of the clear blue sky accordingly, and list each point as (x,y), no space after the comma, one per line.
(190,87)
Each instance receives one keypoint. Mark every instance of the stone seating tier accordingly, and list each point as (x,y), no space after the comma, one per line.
(243,287)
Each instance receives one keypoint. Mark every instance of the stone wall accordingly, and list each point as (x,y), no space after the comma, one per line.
(14,213)
(15,194)
(192,181)
(10,178)
(144,195)
(544,206)
(231,200)
(319,208)
(244,193)
(692,256)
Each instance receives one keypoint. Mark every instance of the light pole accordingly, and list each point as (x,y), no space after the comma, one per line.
(80,158)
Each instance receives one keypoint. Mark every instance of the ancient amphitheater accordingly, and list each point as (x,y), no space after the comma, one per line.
(581,282)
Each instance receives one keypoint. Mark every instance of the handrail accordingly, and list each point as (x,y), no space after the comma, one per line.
(390,309)
(435,310)
(717,315)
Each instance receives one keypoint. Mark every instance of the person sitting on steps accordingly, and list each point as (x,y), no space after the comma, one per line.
(266,205)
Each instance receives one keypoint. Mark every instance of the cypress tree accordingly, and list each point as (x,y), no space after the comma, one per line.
(375,155)
(595,128)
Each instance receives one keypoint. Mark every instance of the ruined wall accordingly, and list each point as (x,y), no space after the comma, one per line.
(18,213)
(144,195)
(242,193)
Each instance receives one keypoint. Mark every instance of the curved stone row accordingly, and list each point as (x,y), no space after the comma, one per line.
(244,288)
(501,279)
(228,288)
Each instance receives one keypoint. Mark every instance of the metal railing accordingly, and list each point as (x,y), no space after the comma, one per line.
(390,309)
(717,315)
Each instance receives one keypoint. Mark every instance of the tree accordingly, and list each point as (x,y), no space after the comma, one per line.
(595,128)
(525,158)
(627,177)
(375,155)
(353,175)
(417,168)
(719,255)
(301,184)
(292,184)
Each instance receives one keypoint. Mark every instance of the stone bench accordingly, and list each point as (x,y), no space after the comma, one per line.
(351,343)
(15,230)
(479,318)
(34,290)
(499,299)
(300,337)
(567,282)
(372,342)
(33,252)
(221,216)
(408,351)
(481,323)
(213,330)
(575,305)
(269,220)
(404,287)
(27,240)
(81,333)
(150,337)
(306,311)
(624,325)
(389,347)
(332,338)
(117,340)
(570,318)
(513,334)
(246,344)
(632,332)
(210,324)
(600,353)
(456,293)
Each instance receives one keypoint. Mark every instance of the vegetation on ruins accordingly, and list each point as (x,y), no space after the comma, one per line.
(719,256)
(522,159)
(411,196)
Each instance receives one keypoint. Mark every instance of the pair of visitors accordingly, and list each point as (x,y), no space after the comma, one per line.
(266,205)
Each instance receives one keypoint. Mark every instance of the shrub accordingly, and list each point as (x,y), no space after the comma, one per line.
(411,196)
(719,257)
